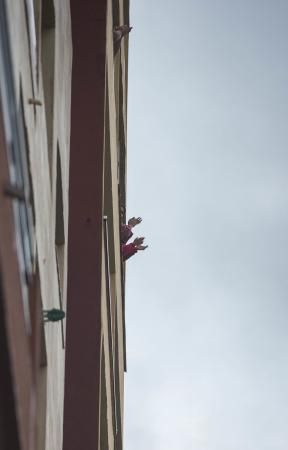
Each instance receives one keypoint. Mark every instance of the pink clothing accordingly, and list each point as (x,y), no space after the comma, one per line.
(128,251)
(125,233)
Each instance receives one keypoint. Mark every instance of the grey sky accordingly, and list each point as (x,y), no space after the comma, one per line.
(207,307)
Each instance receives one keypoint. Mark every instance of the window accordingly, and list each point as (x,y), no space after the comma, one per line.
(59,229)
(48,67)
(60,235)
(19,183)
(30,13)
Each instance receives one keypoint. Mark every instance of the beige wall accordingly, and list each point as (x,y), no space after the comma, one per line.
(116,73)
(44,180)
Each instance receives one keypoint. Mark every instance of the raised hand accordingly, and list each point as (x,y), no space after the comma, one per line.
(118,34)
(141,247)
(138,241)
(134,221)
(124,29)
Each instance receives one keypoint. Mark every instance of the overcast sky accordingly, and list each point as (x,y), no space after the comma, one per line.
(207,307)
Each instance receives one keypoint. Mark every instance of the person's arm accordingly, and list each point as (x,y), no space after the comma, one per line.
(126,230)
(125,233)
(128,251)
(118,33)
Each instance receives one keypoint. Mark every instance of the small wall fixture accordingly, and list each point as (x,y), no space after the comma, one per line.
(35,102)
(53,315)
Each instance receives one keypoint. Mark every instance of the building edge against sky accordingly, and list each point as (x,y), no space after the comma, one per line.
(63,123)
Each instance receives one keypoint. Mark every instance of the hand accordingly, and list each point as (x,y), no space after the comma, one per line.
(141,247)
(138,241)
(134,221)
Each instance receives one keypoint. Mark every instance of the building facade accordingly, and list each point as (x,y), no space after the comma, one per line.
(63,122)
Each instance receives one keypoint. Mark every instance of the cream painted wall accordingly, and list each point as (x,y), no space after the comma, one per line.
(44,187)
(112,122)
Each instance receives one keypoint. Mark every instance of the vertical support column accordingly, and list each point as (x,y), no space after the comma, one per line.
(83,334)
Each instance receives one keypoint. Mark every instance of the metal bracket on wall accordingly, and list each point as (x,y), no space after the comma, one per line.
(53,315)
(35,102)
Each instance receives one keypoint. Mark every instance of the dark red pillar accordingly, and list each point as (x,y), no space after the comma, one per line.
(82,371)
